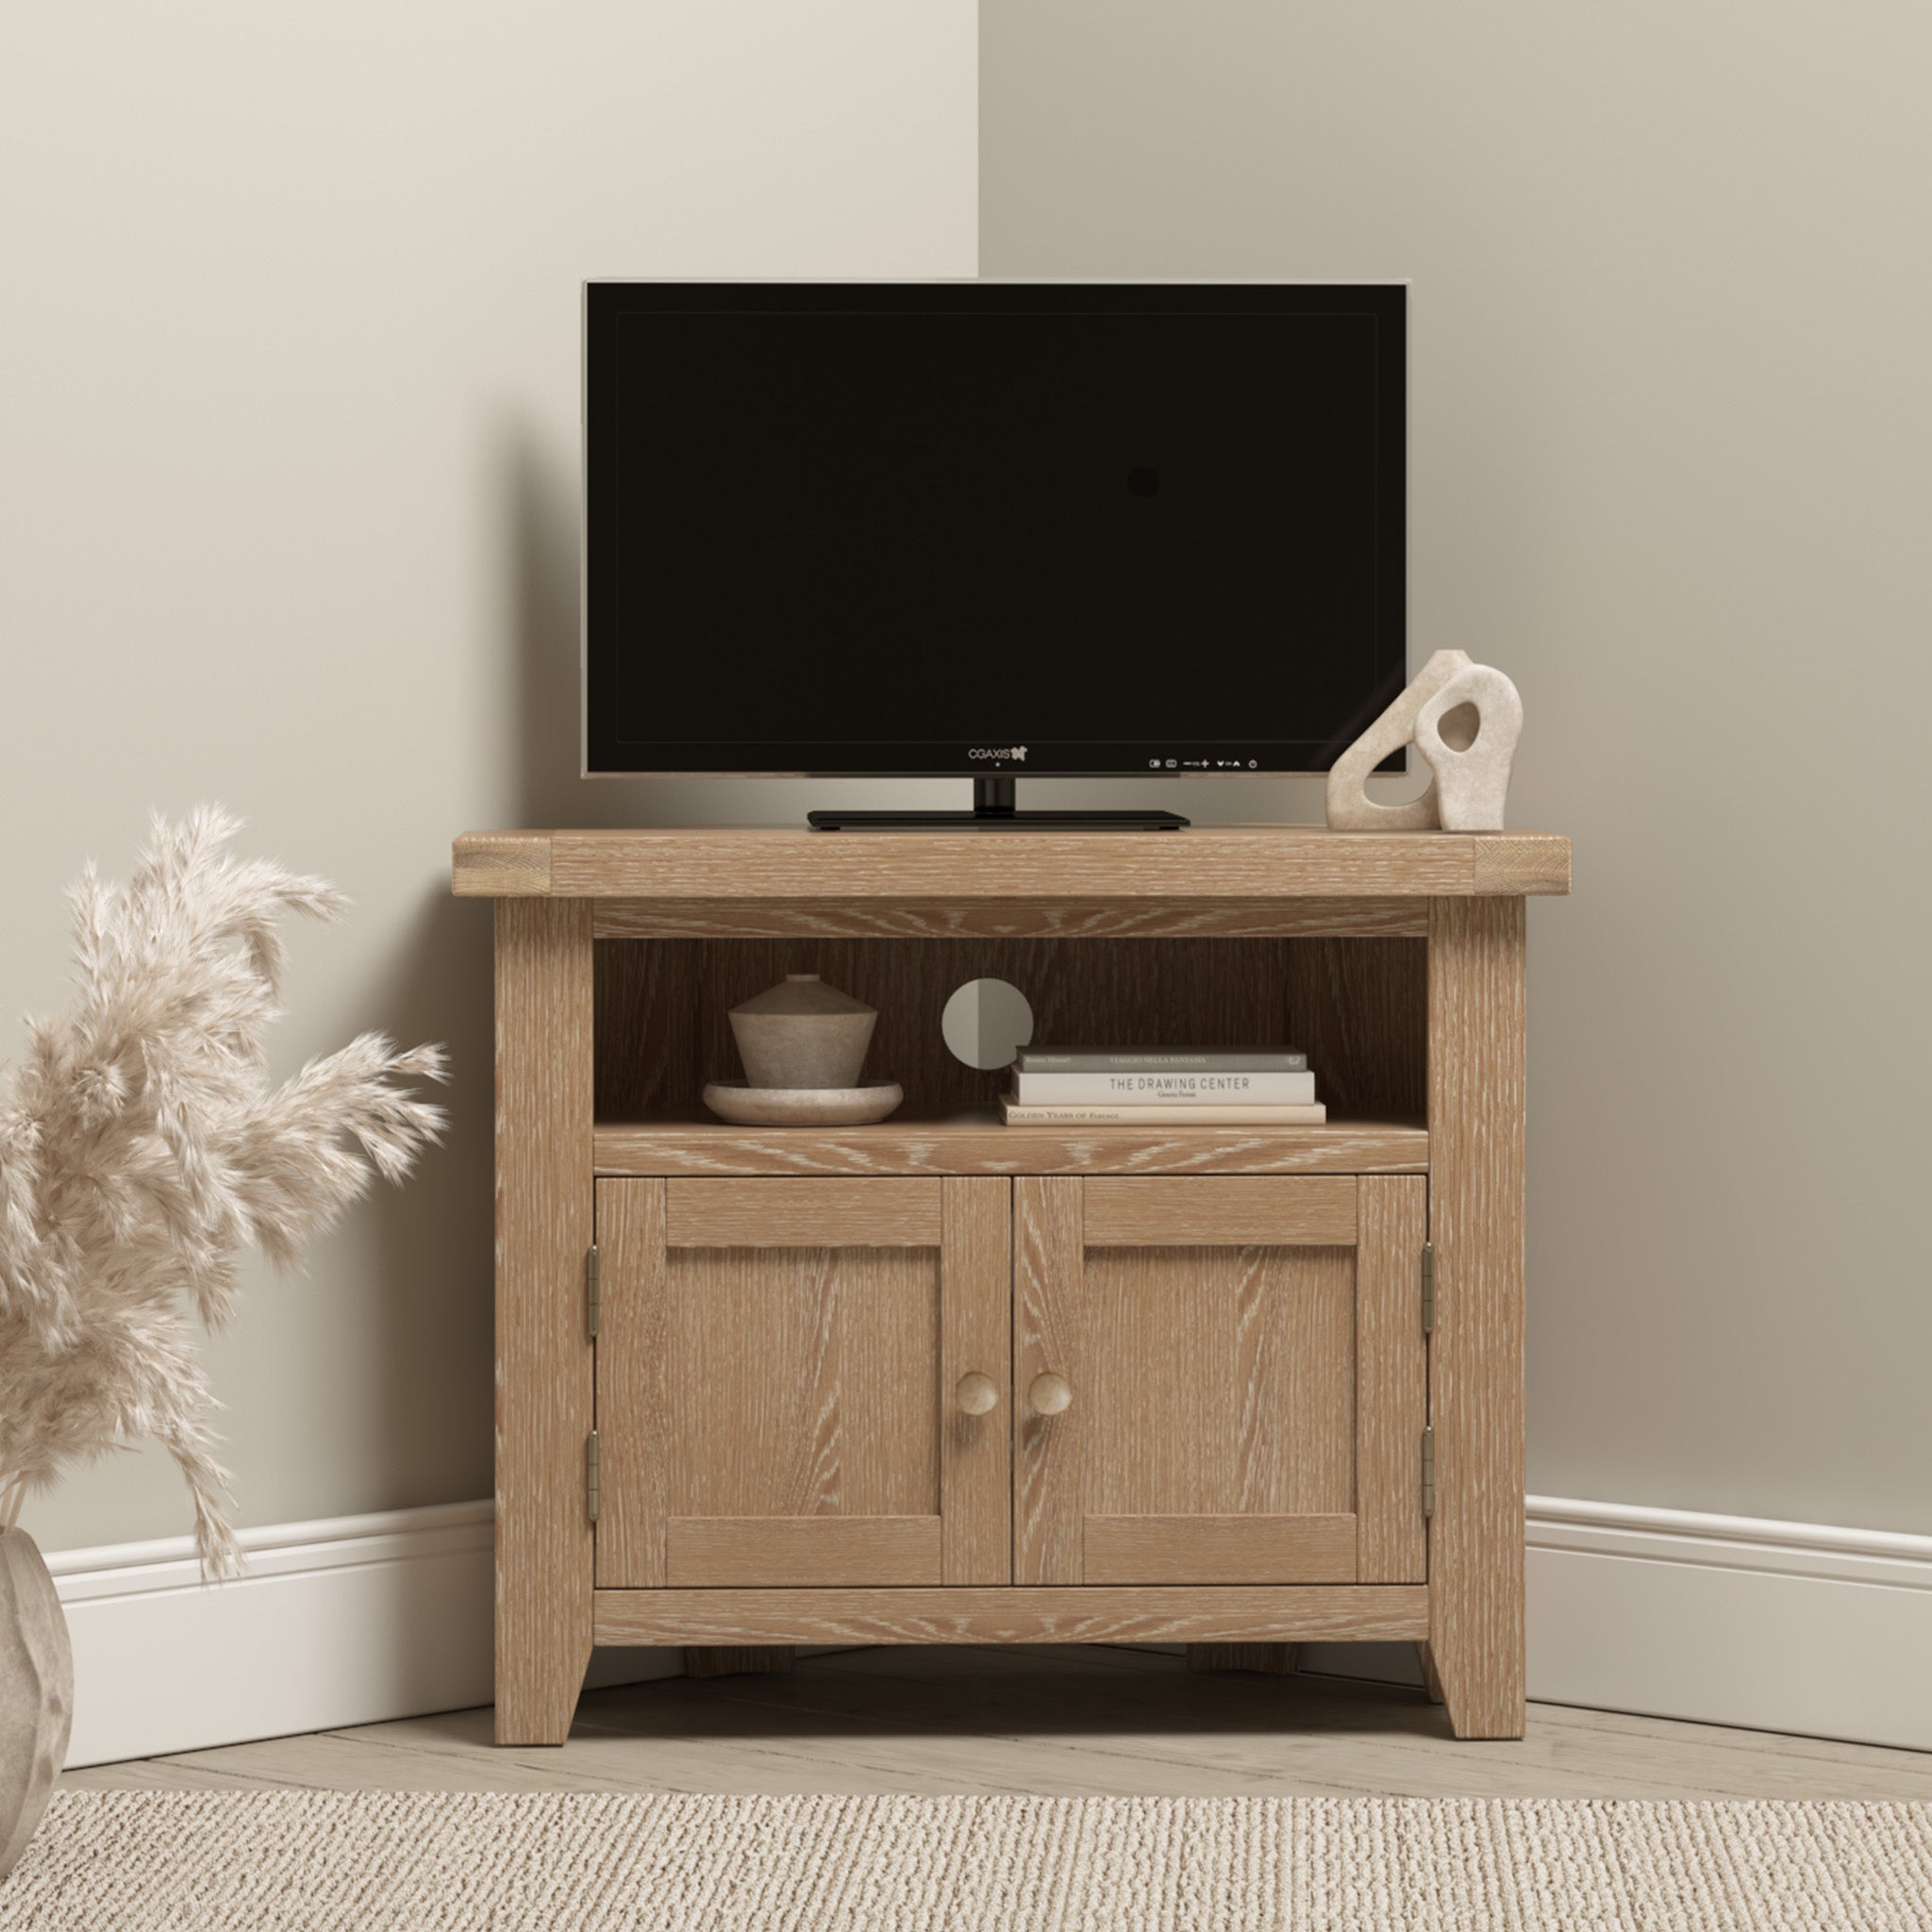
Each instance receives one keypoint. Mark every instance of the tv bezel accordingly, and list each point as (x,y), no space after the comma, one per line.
(1148,759)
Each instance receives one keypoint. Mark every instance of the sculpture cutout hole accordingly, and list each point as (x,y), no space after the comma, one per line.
(986,1023)
(1460,726)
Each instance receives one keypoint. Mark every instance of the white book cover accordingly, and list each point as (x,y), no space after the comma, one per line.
(1178,1114)
(1168,1087)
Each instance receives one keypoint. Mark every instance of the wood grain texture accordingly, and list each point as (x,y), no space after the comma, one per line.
(951,918)
(975,1337)
(1513,862)
(544,1392)
(802,1213)
(1205,1211)
(731,1551)
(738,1659)
(1220,1549)
(751,1382)
(1049,1482)
(1391,1379)
(633,1389)
(500,865)
(664,1010)
(1207,861)
(1276,1659)
(1218,1381)
(803,1382)
(979,1144)
(1477,1357)
(1360,1010)
(1312,1612)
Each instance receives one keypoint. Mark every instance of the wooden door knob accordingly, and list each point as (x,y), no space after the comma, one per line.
(976,1393)
(1048,1393)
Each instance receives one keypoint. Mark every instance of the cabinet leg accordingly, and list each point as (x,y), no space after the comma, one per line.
(543,1352)
(1275,1658)
(734,1660)
(1477,1351)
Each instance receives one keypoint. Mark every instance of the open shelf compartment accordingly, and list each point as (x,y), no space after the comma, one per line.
(1357,1006)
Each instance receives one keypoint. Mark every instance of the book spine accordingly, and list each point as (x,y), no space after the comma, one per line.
(1153,1089)
(1018,1114)
(1225,1060)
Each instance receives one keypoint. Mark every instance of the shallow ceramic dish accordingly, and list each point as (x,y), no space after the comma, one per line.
(802,1106)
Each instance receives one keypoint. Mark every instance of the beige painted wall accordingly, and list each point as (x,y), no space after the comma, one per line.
(1671,408)
(288,448)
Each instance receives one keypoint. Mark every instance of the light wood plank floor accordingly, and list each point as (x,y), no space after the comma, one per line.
(1053,1721)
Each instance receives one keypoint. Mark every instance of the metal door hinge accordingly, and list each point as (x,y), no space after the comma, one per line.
(592,1290)
(1428,1471)
(591,1475)
(1428,1287)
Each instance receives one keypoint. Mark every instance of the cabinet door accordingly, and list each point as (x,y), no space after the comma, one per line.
(778,1367)
(1236,1378)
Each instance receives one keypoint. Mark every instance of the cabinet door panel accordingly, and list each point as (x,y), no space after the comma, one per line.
(1218,1549)
(1245,1356)
(769,1551)
(774,1407)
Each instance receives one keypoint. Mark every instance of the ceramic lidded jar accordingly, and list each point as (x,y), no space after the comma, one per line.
(803,1033)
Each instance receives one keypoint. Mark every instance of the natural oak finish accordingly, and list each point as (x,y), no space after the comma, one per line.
(774,1382)
(544,1357)
(1137,1614)
(1049,1339)
(975,1339)
(801,1214)
(1213,861)
(1248,1548)
(1476,1062)
(1360,1006)
(1218,1213)
(939,1380)
(1208,1332)
(946,919)
(738,1551)
(1391,1379)
(979,1144)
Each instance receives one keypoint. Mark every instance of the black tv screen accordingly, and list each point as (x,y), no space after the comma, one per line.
(978,527)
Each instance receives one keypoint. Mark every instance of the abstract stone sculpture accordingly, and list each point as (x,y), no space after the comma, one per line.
(1465,719)
(1350,808)
(35,1692)
(1467,735)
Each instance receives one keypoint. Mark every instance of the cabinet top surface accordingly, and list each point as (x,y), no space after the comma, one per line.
(1207,861)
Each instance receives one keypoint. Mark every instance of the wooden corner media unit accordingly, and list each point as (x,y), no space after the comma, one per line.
(1250,1386)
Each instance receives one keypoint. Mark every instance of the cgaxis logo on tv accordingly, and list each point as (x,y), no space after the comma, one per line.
(1017,753)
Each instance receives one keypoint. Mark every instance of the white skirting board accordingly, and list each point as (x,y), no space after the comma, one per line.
(1730,1620)
(1726,1620)
(345,1622)
(1774,1625)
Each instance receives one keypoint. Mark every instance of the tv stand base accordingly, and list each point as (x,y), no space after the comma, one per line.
(993,808)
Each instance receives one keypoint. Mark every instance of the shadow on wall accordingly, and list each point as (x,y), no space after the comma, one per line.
(432,1242)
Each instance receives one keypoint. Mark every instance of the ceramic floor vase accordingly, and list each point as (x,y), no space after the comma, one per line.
(35,1692)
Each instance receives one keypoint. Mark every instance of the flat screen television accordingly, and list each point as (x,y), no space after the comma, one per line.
(986,529)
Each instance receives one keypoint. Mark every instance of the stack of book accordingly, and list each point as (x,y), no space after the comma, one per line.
(1206,1086)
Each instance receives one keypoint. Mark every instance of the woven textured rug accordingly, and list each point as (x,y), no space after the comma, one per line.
(376,1860)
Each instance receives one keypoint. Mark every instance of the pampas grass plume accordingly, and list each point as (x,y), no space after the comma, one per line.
(142,1147)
